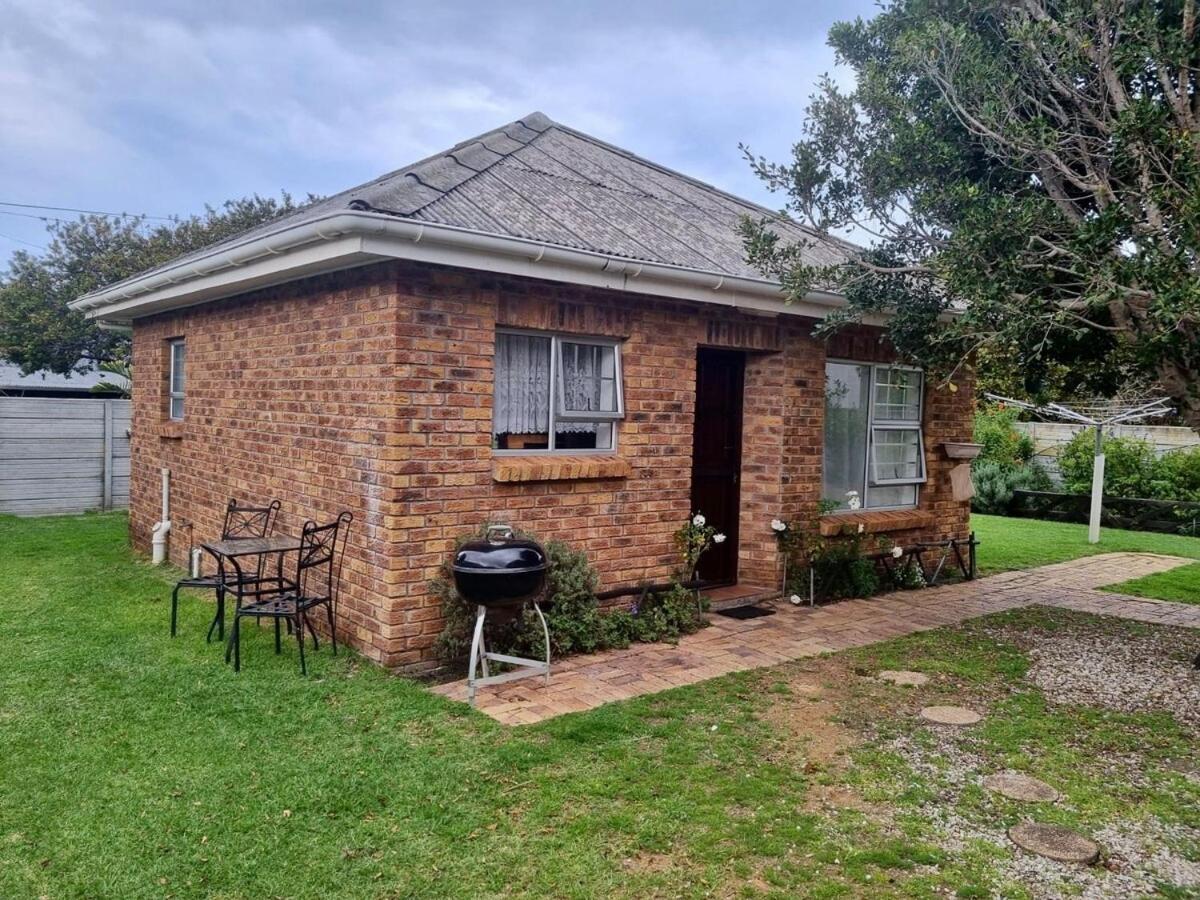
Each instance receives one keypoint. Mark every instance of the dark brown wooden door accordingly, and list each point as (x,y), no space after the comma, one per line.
(717,456)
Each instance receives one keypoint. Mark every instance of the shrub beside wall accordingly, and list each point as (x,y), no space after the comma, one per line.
(1131,469)
(1006,462)
(573,615)
(1002,443)
(1178,475)
(995,484)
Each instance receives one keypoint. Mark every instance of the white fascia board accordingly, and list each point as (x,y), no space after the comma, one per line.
(348,239)
(313,259)
(595,270)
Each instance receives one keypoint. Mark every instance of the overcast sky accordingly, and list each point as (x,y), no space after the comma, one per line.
(156,106)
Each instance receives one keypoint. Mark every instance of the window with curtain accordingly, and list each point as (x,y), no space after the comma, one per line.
(556,392)
(874,448)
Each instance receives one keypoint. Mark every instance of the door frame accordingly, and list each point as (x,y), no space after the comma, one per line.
(732,528)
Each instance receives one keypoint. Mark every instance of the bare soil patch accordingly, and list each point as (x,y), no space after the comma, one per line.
(810,719)
(905,678)
(643,861)
(806,718)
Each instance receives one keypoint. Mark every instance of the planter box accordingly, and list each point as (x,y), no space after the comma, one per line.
(961,451)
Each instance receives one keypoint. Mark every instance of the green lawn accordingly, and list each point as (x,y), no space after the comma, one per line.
(1023,543)
(135,765)
(1180,585)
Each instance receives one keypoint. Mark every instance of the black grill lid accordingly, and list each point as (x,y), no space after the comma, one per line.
(500,553)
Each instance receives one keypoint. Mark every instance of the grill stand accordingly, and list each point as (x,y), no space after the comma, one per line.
(525,668)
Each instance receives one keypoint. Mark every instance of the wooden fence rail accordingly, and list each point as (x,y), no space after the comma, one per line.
(63,456)
(1169,516)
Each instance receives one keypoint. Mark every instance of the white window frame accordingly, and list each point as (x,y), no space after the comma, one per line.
(874,425)
(172,394)
(556,413)
(559,406)
(873,462)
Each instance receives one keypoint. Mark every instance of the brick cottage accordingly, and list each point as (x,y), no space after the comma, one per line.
(533,327)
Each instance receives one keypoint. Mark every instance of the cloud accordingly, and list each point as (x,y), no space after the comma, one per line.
(163,106)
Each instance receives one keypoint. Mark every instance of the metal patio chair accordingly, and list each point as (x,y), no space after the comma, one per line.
(318,577)
(240,522)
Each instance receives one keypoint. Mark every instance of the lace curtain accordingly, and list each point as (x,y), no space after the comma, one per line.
(522,394)
(581,376)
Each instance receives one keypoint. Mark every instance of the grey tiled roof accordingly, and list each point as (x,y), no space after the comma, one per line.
(11,379)
(543,181)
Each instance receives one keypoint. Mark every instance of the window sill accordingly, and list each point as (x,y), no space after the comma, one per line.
(509,469)
(875,521)
(170,429)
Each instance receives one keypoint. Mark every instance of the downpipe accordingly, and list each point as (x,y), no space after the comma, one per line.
(158,540)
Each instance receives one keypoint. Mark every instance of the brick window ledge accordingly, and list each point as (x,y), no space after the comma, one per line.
(875,521)
(557,468)
(170,429)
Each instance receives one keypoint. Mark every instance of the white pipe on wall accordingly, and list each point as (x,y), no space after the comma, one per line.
(158,541)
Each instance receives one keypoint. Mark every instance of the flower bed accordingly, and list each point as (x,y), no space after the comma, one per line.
(828,559)
(574,618)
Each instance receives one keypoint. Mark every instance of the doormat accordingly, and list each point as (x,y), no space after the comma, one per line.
(746,612)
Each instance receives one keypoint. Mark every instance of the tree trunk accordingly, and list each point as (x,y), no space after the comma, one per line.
(1183,389)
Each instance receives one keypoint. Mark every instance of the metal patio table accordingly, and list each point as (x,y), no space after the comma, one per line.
(228,552)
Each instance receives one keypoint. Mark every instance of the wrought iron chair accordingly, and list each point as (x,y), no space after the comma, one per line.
(240,522)
(318,577)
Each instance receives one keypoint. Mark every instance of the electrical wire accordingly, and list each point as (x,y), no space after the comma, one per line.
(21,241)
(88,212)
(9,212)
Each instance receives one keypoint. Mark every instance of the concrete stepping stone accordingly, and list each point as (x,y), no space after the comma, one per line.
(1055,842)
(909,679)
(1016,786)
(950,715)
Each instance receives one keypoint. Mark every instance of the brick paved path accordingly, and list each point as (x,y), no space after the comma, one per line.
(731,645)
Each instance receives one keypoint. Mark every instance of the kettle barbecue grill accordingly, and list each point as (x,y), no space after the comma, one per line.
(501,572)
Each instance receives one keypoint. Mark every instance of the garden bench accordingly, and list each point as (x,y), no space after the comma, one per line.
(943,550)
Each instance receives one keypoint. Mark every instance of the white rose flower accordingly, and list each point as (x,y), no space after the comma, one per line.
(897,552)
(698,520)
(778,525)
(795,600)
(718,538)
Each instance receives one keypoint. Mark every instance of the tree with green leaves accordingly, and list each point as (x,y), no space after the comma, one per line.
(1028,175)
(38,331)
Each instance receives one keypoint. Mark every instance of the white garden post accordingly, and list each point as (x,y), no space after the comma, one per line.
(1097,488)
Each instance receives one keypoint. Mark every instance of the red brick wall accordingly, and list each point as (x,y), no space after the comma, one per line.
(291,395)
(370,390)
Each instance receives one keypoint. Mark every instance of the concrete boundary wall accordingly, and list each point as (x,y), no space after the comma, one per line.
(1050,437)
(63,456)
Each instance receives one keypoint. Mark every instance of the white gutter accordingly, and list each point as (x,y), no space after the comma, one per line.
(345,239)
